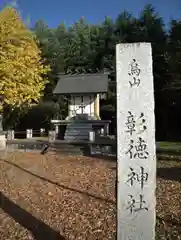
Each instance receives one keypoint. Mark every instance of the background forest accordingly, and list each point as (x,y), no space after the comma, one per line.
(84,47)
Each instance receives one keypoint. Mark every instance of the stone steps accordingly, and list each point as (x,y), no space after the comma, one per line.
(78,131)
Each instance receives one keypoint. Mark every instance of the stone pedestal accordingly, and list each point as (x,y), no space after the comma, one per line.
(10,135)
(29,133)
(2,142)
(91,136)
(57,131)
(79,128)
(42,132)
(51,136)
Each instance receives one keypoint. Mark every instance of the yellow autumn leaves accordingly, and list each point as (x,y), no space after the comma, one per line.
(22,72)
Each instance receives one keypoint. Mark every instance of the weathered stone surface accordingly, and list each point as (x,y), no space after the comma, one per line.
(136,142)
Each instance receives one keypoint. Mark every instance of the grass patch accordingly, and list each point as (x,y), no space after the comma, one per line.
(169,146)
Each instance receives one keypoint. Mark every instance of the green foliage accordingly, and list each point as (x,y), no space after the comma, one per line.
(174,53)
(40,116)
(85,47)
(34,117)
(22,72)
(91,48)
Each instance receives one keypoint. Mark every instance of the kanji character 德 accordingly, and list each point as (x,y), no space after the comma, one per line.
(141,149)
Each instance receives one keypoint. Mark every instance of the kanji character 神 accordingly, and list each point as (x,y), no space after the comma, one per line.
(140,177)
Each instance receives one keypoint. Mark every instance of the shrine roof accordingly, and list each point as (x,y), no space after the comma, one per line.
(82,83)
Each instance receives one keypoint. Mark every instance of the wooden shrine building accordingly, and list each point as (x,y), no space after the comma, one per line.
(83,92)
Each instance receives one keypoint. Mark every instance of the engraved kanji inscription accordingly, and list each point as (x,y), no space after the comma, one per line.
(140,177)
(134,72)
(138,150)
(142,123)
(141,149)
(130,123)
(130,150)
(136,205)
(134,68)
(135,124)
(135,82)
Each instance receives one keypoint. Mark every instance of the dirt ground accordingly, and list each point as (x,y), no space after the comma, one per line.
(56,197)
(169,200)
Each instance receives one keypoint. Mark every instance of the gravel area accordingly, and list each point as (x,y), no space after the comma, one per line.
(56,197)
(169,200)
(62,197)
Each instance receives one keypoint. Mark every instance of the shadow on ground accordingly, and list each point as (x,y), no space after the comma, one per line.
(59,185)
(169,221)
(171,173)
(39,229)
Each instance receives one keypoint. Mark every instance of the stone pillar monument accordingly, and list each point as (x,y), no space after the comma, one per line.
(136,142)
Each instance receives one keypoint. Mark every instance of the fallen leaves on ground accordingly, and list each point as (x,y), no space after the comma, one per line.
(169,200)
(71,196)
(64,197)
